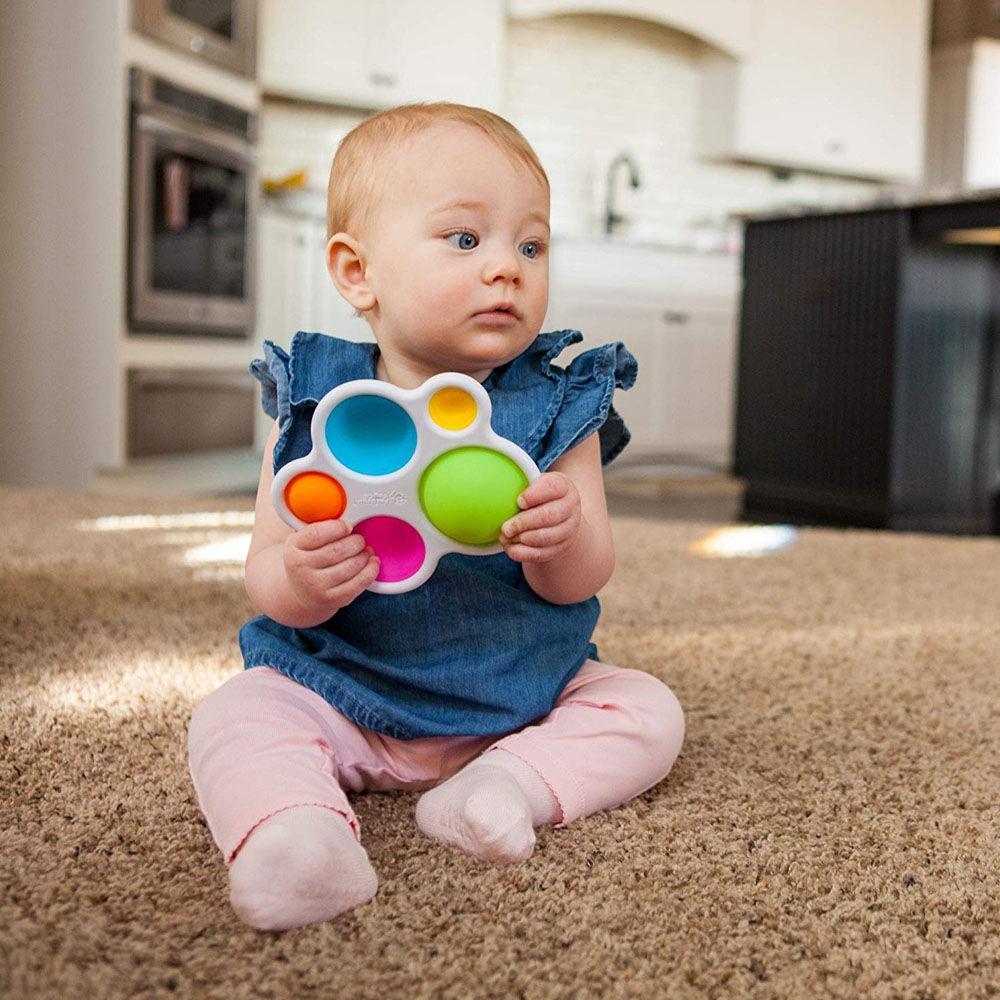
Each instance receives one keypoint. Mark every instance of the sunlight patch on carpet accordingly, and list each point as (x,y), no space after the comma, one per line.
(207,549)
(164,522)
(143,686)
(229,550)
(745,541)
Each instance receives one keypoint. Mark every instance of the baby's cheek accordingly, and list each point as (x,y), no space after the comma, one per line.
(452,300)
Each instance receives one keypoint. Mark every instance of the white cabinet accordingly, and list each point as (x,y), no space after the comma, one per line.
(682,402)
(313,49)
(382,52)
(833,87)
(963,129)
(677,313)
(698,344)
(643,407)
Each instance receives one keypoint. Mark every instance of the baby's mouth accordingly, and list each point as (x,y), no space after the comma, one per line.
(498,318)
(502,309)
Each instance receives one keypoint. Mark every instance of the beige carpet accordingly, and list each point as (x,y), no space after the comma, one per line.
(831,828)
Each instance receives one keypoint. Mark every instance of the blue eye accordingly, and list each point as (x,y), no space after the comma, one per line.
(536,251)
(462,240)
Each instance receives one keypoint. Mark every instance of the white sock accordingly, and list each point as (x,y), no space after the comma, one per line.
(300,866)
(490,808)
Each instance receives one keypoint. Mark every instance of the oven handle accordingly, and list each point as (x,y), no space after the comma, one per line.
(196,133)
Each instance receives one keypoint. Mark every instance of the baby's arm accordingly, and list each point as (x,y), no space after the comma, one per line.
(563,536)
(302,578)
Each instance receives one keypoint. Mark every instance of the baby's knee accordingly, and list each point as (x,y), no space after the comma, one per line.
(225,707)
(657,715)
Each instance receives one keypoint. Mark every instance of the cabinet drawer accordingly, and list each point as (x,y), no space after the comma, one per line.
(175,411)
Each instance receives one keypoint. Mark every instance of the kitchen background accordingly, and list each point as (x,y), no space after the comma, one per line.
(165,164)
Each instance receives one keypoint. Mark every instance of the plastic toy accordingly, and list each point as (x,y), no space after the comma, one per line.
(417,472)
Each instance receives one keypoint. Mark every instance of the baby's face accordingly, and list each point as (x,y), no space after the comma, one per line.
(460,228)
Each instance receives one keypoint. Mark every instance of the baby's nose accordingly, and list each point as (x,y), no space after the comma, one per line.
(504,266)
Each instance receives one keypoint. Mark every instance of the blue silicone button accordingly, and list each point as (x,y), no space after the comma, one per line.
(371,435)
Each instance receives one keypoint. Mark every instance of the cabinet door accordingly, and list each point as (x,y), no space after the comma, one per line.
(683,399)
(314,49)
(382,52)
(982,144)
(699,360)
(285,277)
(446,50)
(781,87)
(643,406)
(874,92)
(834,87)
(963,141)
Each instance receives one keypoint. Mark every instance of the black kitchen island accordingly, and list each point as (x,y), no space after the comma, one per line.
(868,383)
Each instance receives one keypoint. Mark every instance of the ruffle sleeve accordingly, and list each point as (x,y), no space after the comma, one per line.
(273,371)
(586,403)
(292,382)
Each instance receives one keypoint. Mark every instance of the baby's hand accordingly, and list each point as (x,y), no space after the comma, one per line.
(548,525)
(327,565)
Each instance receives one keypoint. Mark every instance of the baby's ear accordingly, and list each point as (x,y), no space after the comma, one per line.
(346,265)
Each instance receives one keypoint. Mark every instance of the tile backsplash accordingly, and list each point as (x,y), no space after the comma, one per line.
(583,89)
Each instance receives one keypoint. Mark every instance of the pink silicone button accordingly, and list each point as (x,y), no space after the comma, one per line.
(396,543)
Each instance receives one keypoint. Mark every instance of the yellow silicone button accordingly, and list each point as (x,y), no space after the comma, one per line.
(453,409)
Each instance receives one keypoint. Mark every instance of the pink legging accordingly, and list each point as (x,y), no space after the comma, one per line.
(262,743)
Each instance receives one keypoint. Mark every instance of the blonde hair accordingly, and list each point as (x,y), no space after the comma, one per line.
(355,172)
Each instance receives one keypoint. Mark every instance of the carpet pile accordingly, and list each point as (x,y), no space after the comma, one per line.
(832,827)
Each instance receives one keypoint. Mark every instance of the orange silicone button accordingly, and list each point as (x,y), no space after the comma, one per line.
(313,496)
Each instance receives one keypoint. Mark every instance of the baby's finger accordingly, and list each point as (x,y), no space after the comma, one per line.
(335,552)
(545,516)
(546,537)
(362,580)
(548,486)
(320,533)
(342,576)
(528,553)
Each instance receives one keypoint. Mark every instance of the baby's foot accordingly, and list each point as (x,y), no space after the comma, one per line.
(484,811)
(300,866)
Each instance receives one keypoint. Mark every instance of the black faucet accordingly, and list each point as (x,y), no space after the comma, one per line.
(610,216)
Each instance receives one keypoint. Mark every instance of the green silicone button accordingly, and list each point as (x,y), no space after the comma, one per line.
(469,492)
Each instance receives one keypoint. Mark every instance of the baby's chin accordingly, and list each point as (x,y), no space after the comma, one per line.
(476,351)
(513,338)
(501,356)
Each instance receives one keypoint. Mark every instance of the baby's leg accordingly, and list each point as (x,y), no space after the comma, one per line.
(261,754)
(613,734)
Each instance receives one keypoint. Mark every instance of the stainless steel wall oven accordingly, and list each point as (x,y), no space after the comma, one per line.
(219,31)
(193,189)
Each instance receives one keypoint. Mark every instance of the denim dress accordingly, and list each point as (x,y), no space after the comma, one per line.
(473,651)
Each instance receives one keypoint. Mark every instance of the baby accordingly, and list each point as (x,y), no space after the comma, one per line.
(481,688)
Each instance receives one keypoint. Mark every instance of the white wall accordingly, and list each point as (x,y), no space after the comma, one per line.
(582,89)
(62,117)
